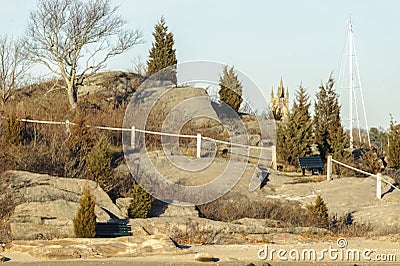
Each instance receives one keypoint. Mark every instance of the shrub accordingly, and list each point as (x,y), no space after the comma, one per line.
(85,219)
(346,226)
(12,131)
(141,203)
(98,166)
(370,162)
(394,144)
(318,213)
(78,147)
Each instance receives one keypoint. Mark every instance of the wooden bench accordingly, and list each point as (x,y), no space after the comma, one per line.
(113,229)
(313,163)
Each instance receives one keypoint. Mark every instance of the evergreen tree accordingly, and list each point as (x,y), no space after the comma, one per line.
(141,203)
(284,145)
(379,138)
(318,213)
(294,136)
(85,219)
(231,88)
(12,131)
(394,144)
(162,54)
(98,166)
(328,130)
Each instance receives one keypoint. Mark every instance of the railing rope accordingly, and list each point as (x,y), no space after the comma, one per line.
(353,168)
(198,137)
(379,177)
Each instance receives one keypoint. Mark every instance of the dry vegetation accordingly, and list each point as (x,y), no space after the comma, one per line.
(51,149)
(285,214)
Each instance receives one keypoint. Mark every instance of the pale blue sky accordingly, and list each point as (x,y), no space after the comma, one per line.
(267,40)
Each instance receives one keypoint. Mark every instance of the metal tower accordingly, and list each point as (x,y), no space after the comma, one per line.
(349,79)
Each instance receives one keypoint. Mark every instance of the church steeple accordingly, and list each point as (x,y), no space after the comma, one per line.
(281,92)
(280,104)
(287,95)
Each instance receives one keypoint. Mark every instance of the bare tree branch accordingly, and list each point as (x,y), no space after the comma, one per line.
(12,67)
(76,38)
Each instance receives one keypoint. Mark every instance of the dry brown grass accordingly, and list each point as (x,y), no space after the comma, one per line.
(47,148)
(224,209)
(192,232)
(287,214)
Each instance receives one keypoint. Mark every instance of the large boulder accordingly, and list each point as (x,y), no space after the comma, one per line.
(46,205)
(169,208)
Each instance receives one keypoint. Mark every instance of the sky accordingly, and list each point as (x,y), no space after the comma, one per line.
(300,41)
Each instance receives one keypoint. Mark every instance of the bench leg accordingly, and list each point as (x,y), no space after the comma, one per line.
(303,170)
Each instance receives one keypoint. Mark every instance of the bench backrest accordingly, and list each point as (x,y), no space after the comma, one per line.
(311,162)
(113,229)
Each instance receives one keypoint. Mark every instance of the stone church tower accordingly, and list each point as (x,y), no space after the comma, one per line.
(279,105)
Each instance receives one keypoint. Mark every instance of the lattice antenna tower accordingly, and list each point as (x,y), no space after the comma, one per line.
(350,84)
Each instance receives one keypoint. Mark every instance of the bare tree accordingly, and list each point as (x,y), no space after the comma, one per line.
(74,38)
(12,67)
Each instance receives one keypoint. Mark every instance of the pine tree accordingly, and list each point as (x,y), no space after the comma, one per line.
(294,136)
(98,166)
(141,203)
(300,125)
(284,145)
(231,88)
(85,219)
(394,145)
(328,130)
(162,54)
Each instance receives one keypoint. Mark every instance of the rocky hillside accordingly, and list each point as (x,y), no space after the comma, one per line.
(99,90)
(46,205)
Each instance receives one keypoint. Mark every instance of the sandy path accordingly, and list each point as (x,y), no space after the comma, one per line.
(371,252)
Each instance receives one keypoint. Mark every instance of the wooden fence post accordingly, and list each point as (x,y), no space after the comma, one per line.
(67,128)
(133,136)
(198,146)
(329,169)
(274,163)
(379,186)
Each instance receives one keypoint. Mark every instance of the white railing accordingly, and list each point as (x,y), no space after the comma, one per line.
(378,176)
(133,131)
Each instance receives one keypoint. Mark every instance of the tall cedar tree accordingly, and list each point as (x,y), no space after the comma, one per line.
(295,134)
(162,54)
(85,219)
(231,88)
(98,164)
(394,144)
(328,130)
